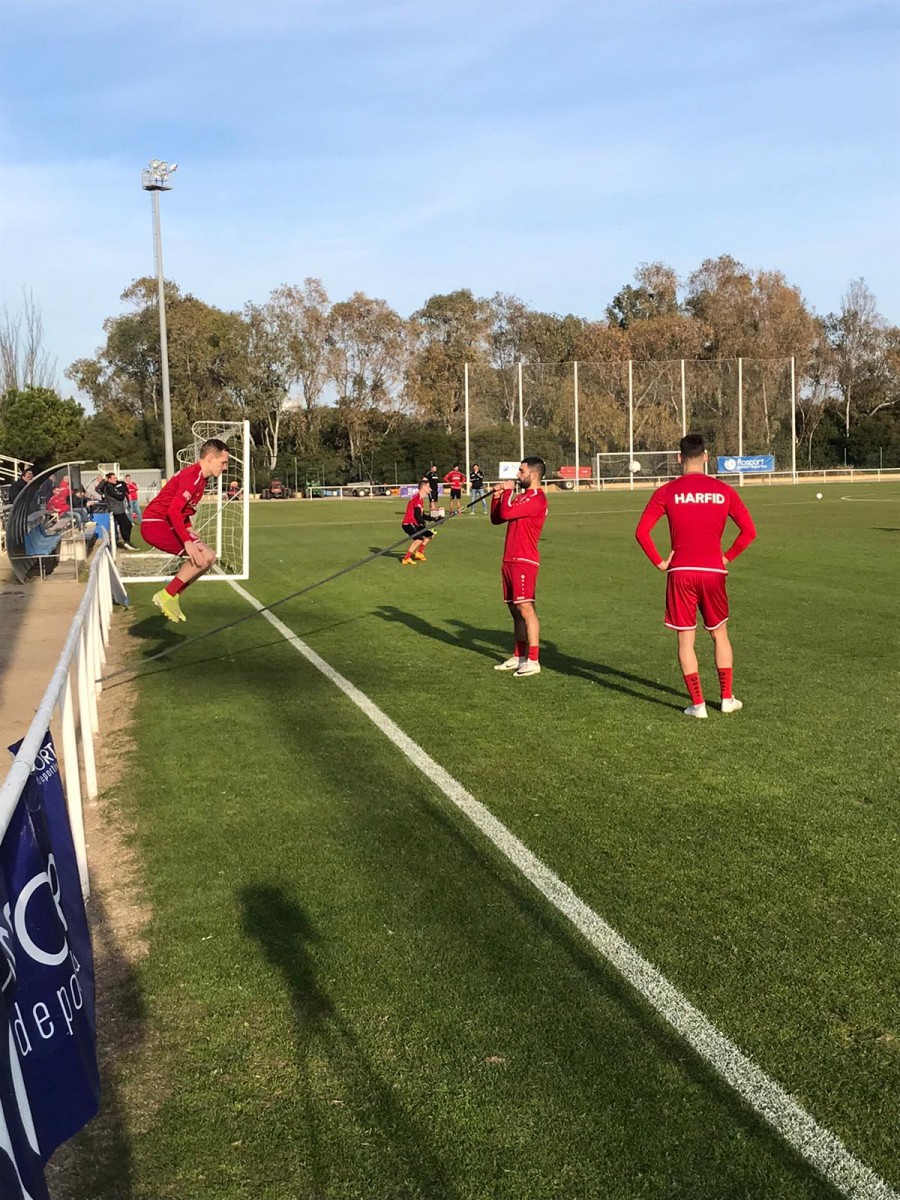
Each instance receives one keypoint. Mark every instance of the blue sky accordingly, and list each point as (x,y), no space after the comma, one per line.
(542,147)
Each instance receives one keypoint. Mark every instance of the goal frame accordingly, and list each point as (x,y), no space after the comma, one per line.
(239,434)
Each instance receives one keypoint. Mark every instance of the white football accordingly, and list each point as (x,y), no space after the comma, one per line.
(634,467)
(818,495)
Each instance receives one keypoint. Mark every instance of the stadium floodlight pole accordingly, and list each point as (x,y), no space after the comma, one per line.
(468,448)
(683,403)
(577,451)
(521,419)
(155,179)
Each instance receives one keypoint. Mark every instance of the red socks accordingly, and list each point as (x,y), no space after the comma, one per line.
(694,687)
(725,674)
(174,586)
(521,649)
(533,653)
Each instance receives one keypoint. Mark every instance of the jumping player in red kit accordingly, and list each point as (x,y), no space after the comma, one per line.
(167,524)
(697,507)
(524,513)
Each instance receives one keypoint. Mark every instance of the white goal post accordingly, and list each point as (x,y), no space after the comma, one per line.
(222,519)
(640,464)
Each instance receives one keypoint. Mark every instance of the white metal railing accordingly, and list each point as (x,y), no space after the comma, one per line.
(755,479)
(77,674)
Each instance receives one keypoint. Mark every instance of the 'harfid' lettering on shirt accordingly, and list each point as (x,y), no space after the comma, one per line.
(700,498)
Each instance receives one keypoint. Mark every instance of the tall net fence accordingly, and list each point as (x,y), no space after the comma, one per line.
(571,413)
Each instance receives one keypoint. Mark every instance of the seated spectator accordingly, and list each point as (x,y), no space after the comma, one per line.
(94,499)
(59,505)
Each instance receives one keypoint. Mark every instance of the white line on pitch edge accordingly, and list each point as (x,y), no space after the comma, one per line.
(820,1148)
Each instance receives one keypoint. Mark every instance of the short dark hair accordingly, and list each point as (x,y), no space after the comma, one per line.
(692,445)
(537,463)
(213,446)
(110,475)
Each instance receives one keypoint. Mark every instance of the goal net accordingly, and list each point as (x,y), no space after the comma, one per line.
(642,464)
(222,519)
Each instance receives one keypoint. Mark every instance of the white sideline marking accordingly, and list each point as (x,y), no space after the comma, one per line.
(821,1149)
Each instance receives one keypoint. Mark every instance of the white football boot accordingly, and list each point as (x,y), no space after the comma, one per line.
(511,664)
(528,667)
(732,704)
(696,710)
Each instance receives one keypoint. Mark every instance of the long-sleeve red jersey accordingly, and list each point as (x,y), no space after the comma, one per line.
(415,512)
(697,507)
(525,514)
(177,501)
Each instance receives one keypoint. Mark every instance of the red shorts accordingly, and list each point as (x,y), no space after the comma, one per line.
(686,591)
(161,536)
(519,582)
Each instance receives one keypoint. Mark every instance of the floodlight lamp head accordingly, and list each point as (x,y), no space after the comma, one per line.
(173,168)
(155,164)
(163,166)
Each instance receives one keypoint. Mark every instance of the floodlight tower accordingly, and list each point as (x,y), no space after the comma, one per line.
(155,179)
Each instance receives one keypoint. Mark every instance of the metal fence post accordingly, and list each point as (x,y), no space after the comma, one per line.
(577,437)
(521,418)
(630,425)
(85,715)
(73,782)
(793,420)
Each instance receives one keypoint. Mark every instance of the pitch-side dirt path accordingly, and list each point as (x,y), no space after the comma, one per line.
(34,621)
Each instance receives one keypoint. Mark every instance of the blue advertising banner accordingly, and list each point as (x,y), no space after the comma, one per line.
(757,464)
(49,1081)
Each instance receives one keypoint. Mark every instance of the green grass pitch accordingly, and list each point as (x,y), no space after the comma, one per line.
(350,994)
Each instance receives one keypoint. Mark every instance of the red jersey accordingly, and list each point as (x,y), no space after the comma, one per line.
(132,490)
(177,502)
(455,479)
(415,512)
(697,507)
(525,514)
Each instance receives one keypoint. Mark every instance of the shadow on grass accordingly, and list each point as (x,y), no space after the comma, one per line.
(287,939)
(398,554)
(495,644)
(150,629)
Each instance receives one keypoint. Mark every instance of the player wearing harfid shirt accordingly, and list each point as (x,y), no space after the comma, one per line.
(697,507)
(523,513)
(167,524)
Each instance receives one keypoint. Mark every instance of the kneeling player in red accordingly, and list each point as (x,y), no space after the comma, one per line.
(524,513)
(167,524)
(414,525)
(697,506)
